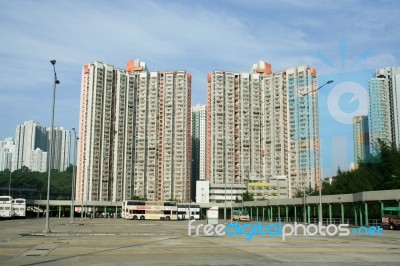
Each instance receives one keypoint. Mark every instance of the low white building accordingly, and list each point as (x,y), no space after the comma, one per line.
(276,189)
(229,193)
(202,191)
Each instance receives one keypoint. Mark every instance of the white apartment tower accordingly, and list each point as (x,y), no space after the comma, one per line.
(134,138)
(261,125)
(28,137)
(198,146)
(61,148)
(7,149)
(38,161)
(384,107)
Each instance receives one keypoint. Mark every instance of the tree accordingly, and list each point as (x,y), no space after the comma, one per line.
(381,171)
(248,196)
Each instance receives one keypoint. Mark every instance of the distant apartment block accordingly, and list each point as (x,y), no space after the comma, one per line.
(7,149)
(28,137)
(32,137)
(38,161)
(198,146)
(261,125)
(384,108)
(61,148)
(134,138)
(360,138)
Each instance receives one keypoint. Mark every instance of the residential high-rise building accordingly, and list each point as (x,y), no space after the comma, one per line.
(198,146)
(221,115)
(61,148)
(30,137)
(38,161)
(384,108)
(299,94)
(360,138)
(263,125)
(7,149)
(134,138)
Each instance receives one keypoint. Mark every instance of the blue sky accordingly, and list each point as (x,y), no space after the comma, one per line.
(344,40)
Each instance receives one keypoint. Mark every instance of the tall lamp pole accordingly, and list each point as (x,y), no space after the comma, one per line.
(9,185)
(73,180)
(50,152)
(9,182)
(320,180)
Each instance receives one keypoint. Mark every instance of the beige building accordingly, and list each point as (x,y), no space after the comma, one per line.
(134,138)
(262,125)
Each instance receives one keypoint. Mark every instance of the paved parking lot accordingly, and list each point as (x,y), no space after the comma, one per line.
(121,242)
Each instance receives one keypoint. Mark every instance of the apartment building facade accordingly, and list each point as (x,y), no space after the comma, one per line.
(384,107)
(134,138)
(28,137)
(198,146)
(261,125)
(31,143)
(61,142)
(7,149)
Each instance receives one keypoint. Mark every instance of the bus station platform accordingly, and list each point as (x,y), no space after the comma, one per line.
(109,241)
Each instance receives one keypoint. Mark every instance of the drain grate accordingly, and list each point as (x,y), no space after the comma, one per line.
(40,250)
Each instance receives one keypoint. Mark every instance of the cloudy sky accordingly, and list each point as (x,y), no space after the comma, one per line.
(344,40)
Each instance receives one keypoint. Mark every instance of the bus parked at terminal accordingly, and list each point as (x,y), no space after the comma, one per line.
(19,207)
(184,209)
(149,210)
(6,207)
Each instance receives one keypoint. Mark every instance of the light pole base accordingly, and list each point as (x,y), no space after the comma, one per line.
(46,231)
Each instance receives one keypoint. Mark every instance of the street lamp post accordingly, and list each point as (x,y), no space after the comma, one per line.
(73,180)
(232,199)
(82,192)
(225,199)
(320,181)
(9,182)
(49,154)
(305,206)
(9,185)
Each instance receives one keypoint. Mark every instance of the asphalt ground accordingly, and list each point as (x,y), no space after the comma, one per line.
(124,242)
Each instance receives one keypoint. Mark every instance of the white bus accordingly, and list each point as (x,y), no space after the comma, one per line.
(183,211)
(149,210)
(19,207)
(6,207)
